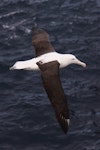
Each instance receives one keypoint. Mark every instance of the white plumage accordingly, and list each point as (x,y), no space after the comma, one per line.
(63,59)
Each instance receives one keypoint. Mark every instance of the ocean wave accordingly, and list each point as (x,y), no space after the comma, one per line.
(10,14)
(36,1)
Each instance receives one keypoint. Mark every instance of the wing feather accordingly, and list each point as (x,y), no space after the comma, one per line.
(41,42)
(55,92)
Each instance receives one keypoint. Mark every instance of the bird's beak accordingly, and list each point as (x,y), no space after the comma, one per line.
(80,63)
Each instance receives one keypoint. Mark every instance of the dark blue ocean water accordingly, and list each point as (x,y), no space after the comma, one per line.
(27,119)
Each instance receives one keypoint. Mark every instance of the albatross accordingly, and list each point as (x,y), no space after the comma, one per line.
(48,62)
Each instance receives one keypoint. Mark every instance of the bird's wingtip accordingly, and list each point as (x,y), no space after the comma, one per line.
(65,127)
(64,122)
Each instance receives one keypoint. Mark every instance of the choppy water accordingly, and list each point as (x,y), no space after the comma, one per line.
(27,120)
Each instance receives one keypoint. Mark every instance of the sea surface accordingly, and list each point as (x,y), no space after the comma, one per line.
(27,119)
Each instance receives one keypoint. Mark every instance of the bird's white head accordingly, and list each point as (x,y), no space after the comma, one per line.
(71,59)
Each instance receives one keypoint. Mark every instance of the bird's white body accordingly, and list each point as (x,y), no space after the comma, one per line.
(63,59)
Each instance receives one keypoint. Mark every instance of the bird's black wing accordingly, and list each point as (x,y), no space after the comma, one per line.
(41,42)
(55,92)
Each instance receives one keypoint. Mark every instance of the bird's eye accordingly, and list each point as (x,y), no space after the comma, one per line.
(73,59)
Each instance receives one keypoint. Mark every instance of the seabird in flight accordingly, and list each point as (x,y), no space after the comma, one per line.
(48,61)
